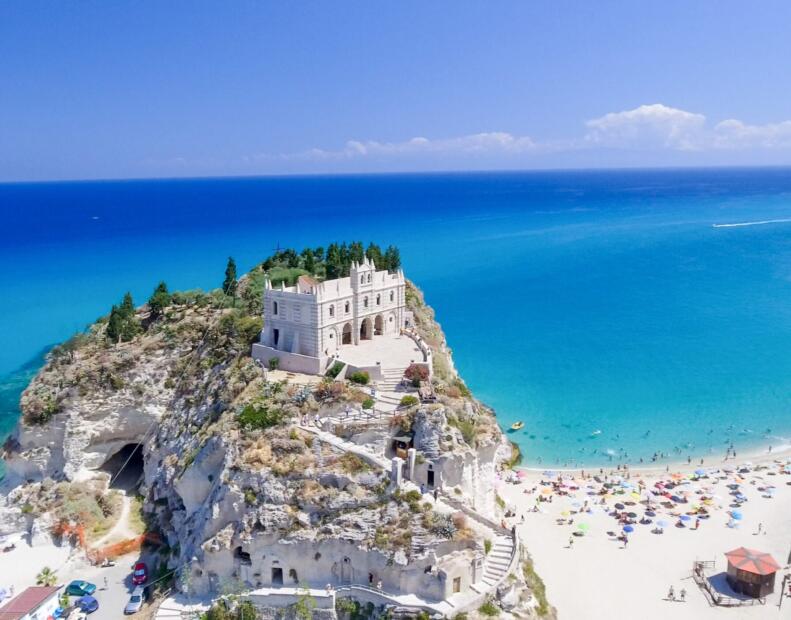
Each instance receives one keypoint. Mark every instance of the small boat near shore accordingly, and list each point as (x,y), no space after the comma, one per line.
(517,426)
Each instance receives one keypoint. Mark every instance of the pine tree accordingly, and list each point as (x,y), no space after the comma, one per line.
(127,307)
(392,258)
(374,253)
(230,283)
(308,260)
(159,300)
(356,251)
(333,262)
(114,325)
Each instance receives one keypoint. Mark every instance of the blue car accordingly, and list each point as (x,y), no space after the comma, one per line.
(78,587)
(88,604)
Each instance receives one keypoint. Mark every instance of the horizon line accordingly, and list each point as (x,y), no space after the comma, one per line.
(297,175)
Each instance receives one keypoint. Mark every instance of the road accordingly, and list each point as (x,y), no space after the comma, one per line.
(112,599)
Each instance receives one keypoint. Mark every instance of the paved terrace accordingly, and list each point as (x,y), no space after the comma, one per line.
(389,351)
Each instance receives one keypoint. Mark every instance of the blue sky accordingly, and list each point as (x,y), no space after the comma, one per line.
(160,89)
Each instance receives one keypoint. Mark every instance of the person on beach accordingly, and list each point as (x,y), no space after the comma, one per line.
(683,595)
(671,595)
(571,542)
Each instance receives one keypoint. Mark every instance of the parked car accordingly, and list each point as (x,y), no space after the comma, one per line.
(79,587)
(139,574)
(136,601)
(75,613)
(88,604)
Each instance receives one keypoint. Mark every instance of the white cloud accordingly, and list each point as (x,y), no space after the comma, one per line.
(648,126)
(734,134)
(474,144)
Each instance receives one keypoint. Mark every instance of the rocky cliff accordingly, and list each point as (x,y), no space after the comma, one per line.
(227,470)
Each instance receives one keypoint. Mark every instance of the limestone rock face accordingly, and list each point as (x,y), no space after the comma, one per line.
(428,428)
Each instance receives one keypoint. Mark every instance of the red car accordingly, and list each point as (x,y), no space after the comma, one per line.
(139,574)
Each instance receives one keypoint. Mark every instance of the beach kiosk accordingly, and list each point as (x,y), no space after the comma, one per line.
(751,572)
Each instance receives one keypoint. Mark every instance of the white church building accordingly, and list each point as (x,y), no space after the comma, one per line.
(309,324)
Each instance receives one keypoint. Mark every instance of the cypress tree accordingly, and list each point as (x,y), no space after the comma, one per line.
(230,283)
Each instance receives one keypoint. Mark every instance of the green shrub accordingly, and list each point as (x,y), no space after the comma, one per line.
(489,609)
(274,363)
(409,401)
(536,585)
(412,496)
(249,497)
(487,546)
(368,403)
(360,377)
(463,389)
(259,416)
(335,370)
(352,464)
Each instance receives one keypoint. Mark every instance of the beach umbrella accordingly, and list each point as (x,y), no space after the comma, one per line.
(662,523)
(650,513)
(685,517)
(632,515)
(583,527)
(565,513)
(700,472)
(550,474)
(735,514)
(521,473)
(619,506)
(628,528)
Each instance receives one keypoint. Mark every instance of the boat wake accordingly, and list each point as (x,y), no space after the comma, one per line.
(757,223)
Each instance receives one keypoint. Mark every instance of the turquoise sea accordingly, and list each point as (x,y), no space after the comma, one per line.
(607,310)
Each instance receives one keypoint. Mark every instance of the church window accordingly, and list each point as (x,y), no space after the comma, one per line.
(346,308)
(274,308)
(392,296)
(332,310)
(362,279)
(369,277)
(378,299)
(365,302)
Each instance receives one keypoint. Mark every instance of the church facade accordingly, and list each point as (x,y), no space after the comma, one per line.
(307,324)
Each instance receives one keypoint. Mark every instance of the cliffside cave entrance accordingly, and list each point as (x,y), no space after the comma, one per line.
(125,467)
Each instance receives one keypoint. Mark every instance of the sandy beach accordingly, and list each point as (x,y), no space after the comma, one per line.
(597,576)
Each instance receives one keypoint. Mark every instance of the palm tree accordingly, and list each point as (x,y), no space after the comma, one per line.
(46,577)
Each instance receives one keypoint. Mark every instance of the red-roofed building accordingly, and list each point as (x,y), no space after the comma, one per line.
(750,572)
(36,603)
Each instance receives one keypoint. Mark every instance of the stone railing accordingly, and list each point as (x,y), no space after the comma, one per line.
(421,344)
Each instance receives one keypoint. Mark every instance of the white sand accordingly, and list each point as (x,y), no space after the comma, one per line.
(598,578)
(18,568)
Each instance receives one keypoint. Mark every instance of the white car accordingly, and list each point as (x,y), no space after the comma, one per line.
(136,600)
(77,614)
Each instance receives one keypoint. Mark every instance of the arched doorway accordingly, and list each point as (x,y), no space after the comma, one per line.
(366,332)
(379,325)
(332,343)
(346,570)
(346,336)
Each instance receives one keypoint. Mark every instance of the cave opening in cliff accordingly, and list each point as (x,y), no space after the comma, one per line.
(125,467)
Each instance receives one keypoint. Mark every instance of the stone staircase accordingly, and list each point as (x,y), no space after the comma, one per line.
(497,562)
(391,379)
